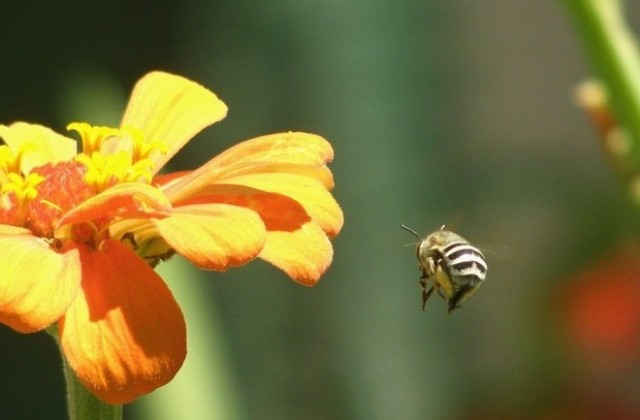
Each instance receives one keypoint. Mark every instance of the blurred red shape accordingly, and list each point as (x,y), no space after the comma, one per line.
(603,308)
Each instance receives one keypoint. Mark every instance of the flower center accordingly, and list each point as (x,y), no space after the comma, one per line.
(38,200)
(61,188)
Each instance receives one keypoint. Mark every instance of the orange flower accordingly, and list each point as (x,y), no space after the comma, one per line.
(80,232)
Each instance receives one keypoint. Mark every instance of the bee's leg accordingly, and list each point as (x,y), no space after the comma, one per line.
(423,282)
(425,293)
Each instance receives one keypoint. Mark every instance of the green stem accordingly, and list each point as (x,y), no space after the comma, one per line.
(81,403)
(613,52)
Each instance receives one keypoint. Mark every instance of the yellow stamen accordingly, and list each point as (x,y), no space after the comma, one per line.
(93,137)
(23,187)
(115,156)
(141,148)
(11,161)
(8,161)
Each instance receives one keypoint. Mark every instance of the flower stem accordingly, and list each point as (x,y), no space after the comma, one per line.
(82,404)
(613,52)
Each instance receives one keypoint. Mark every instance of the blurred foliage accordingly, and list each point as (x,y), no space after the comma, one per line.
(439,112)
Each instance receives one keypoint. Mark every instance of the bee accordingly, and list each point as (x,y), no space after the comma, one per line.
(450,265)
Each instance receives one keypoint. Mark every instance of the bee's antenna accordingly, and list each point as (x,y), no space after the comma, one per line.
(412,231)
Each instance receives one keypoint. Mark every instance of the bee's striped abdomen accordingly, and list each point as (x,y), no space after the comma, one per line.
(465,260)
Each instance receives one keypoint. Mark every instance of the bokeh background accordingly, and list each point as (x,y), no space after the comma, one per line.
(456,112)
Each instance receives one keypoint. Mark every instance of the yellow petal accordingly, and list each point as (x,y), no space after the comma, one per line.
(213,236)
(124,335)
(304,254)
(10,230)
(171,109)
(37,284)
(39,144)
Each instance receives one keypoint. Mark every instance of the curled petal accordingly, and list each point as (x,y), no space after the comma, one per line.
(122,199)
(304,254)
(38,284)
(164,180)
(213,236)
(38,144)
(124,335)
(293,147)
(319,173)
(297,153)
(171,109)
(277,211)
(311,194)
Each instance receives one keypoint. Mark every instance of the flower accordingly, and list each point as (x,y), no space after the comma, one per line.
(80,233)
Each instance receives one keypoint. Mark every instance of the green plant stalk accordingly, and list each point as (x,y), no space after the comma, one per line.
(613,52)
(82,404)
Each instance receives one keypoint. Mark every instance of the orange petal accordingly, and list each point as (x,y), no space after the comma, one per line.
(37,284)
(171,109)
(124,335)
(213,236)
(304,254)
(311,194)
(277,211)
(122,199)
(38,144)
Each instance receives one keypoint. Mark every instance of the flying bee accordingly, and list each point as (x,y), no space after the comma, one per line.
(450,265)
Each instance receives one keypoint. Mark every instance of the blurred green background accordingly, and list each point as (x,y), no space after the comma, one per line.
(456,112)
